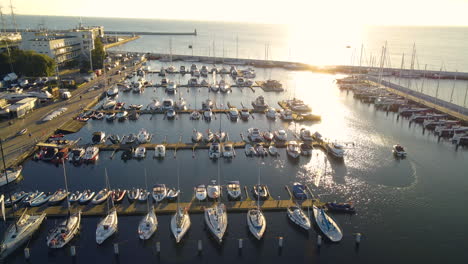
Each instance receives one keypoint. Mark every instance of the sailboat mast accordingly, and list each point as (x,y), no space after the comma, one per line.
(258,191)
(6,176)
(146,189)
(66,186)
(108,189)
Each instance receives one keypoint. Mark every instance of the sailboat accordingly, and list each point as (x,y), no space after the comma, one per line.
(149,223)
(108,226)
(327,225)
(23,229)
(66,230)
(255,218)
(180,222)
(216,219)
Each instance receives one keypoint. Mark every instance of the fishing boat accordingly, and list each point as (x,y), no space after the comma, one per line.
(273,151)
(86,196)
(139,153)
(216,220)
(148,225)
(259,104)
(118,195)
(327,225)
(58,197)
(196,136)
(254,135)
(293,150)
(213,190)
(200,192)
(77,154)
(75,196)
(399,151)
(40,200)
(214,152)
(133,194)
(20,232)
(228,150)
(172,194)
(233,114)
(143,136)
(260,191)
(234,190)
(250,150)
(299,191)
(341,207)
(306,135)
(306,149)
(122,116)
(335,149)
(297,216)
(160,151)
(98,137)
(91,154)
(159,192)
(66,230)
(10,175)
(271,113)
(101,196)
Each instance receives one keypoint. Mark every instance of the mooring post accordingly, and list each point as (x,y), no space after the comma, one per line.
(116,249)
(73,251)
(27,254)
(200,247)
(319,240)
(158,247)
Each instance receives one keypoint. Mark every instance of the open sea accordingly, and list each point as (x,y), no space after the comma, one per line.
(409,210)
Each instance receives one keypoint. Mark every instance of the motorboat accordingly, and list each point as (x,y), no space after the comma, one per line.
(164,82)
(240,81)
(224,87)
(195,115)
(293,149)
(182,69)
(306,135)
(167,104)
(135,106)
(207,115)
(180,104)
(143,136)
(268,136)
(297,216)
(216,220)
(91,154)
(112,91)
(144,194)
(228,150)
(154,106)
(86,196)
(249,73)
(273,150)
(233,71)
(259,104)
(200,192)
(223,71)
(10,175)
(254,135)
(207,104)
(107,227)
(60,156)
(101,196)
(31,196)
(233,114)
(341,207)
(213,190)
(172,194)
(220,136)
(180,224)
(119,105)
(256,222)
(15,198)
(118,195)
(171,69)
(171,114)
(20,232)
(261,192)
(280,135)
(327,225)
(215,151)
(148,225)
(214,88)
(399,151)
(298,105)
(98,137)
(109,104)
(209,137)
(111,116)
(306,149)
(159,192)
(162,72)
(131,138)
(286,115)
(114,139)
(299,191)
(171,87)
(58,197)
(133,194)
(192,82)
(122,116)
(196,73)
(40,200)
(160,151)
(75,196)
(99,116)
(140,152)
(234,190)
(204,83)
(193,67)
(196,136)
(261,151)
(335,149)
(65,231)
(204,71)
(244,114)
(250,150)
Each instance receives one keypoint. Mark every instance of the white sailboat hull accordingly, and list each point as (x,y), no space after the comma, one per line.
(327,225)
(107,227)
(216,220)
(57,239)
(256,230)
(148,225)
(180,231)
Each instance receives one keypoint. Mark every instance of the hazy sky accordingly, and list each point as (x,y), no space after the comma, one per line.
(302,12)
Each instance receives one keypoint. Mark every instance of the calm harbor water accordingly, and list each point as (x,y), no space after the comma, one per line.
(404,206)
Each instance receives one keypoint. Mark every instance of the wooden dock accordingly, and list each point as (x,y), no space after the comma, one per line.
(71,126)
(140,208)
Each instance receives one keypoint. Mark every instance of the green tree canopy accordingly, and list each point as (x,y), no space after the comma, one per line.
(98,54)
(27,63)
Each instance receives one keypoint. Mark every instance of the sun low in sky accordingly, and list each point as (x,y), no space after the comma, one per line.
(292,12)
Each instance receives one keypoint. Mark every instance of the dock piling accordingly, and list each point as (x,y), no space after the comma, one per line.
(241,244)
(27,254)
(158,247)
(200,247)
(319,240)
(116,249)
(358,238)
(73,251)
(280,242)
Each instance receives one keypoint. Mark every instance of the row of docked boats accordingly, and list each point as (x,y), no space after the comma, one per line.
(194,70)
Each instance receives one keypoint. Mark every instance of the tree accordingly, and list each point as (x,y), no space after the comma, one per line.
(28,63)
(98,54)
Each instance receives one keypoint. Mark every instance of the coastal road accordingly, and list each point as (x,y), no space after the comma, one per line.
(14,145)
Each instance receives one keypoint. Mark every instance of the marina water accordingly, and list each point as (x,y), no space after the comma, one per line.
(407,210)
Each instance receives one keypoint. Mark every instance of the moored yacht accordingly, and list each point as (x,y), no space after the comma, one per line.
(148,225)
(259,103)
(160,151)
(306,135)
(143,136)
(213,190)
(200,192)
(327,225)
(254,135)
(335,149)
(61,234)
(256,222)
(159,192)
(10,175)
(140,152)
(107,226)
(196,136)
(233,114)
(91,154)
(297,216)
(399,151)
(216,220)
(234,190)
(293,149)
(215,151)
(180,224)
